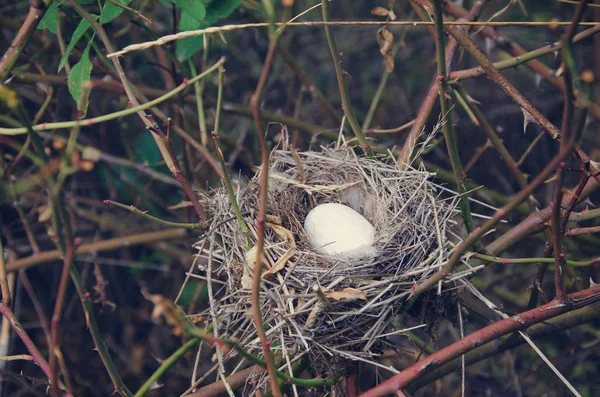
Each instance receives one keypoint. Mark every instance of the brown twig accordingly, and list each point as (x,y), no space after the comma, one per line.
(506,44)
(6,298)
(261,219)
(37,8)
(31,347)
(98,246)
(546,328)
(432,95)
(162,140)
(494,75)
(481,336)
(582,230)
(487,226)
(559,256)
(58,306)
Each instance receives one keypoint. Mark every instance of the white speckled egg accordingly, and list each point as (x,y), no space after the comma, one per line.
(338,230)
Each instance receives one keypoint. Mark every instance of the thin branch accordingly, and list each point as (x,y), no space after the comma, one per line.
(162,141)
(519,261)
(487,226)
(337,58)
(144,214)
(115,115)
(262,211)
(164,367)
(481,336)
(98,246)
(31,347)
(508,342)
(37,10)
(228,28)
(447,127)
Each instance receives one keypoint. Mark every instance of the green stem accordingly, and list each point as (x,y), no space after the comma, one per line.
(131,208)
(97,336)
(199,89)
(168,363)
(516,61)
(226,176)
(339,73)
(115,115)
(517,261)
(447,127)
(61,223)
(382,84)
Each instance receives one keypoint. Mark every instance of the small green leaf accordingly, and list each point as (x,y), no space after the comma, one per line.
(50,19)
(79,76)
(220,9)
(111,11)
(84,2)
(194,8)
(187,47)
(215,10)
(188,22)
(77,34)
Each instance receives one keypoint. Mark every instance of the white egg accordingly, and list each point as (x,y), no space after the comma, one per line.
(338,230)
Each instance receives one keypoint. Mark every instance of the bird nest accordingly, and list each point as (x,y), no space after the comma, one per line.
(316,307)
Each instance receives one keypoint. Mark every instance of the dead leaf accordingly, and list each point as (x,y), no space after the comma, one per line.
(385,38)
(273,219)
(250,255)
(379,12)
(44,213)
(164,308)
(286,235)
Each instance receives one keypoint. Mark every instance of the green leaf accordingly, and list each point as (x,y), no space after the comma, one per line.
(220,9)
(79,76)
(111,11)
(188,22)
(187,47)
(215,10)
(50,19)
(194,8)
(77,34)
(84,2)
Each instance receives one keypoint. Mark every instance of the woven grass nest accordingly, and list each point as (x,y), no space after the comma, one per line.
(316,307)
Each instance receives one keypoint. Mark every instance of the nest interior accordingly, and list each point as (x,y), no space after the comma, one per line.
(323,308)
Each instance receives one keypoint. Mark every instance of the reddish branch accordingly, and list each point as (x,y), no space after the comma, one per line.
(559,255)
(473,237)
(484,335)
(494,75)
(434,89)
(262,210)
(60,299)
(506,44)
(507,342)
(31,347)
(536,221)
